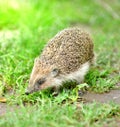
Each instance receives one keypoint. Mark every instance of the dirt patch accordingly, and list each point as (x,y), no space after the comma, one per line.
(113,123)
(112,96)
(3,108)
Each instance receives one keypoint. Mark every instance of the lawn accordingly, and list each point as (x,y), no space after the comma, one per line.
(25,27)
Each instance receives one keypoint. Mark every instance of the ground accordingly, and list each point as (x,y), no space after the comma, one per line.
(25,27)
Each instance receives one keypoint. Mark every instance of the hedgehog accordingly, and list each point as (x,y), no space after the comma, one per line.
(67,56)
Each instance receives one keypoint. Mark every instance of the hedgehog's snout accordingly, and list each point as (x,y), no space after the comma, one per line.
(36,86)
(28,91)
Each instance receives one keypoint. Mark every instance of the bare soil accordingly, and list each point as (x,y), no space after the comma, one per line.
(2,109)
(112,96)
(5,108)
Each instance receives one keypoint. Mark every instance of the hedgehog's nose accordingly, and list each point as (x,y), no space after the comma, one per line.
(27,93)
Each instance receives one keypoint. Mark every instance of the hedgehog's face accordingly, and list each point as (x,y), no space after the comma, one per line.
(40,80)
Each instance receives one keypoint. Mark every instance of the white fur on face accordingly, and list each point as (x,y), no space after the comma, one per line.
(77,75)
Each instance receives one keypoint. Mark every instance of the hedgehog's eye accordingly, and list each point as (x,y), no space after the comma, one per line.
(41,81)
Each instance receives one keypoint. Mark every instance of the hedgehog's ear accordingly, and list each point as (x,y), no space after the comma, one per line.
(55,72)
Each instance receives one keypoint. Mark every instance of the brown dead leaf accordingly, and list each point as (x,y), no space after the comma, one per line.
(3,100)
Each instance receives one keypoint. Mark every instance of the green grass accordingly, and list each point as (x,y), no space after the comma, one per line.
(54,115)
(32,24)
